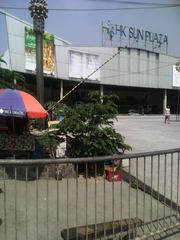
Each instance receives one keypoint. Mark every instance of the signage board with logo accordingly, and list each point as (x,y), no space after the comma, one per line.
(30,51)
(121,36)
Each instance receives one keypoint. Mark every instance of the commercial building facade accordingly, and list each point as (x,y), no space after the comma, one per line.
(142,79)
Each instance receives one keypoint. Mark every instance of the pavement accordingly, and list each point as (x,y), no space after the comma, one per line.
(42,209)
(149,132)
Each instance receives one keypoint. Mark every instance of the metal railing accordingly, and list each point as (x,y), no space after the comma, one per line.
(134,196)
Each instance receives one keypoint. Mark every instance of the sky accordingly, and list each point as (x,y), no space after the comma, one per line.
(84,27)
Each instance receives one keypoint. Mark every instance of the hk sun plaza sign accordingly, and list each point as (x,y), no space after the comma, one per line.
(115,34)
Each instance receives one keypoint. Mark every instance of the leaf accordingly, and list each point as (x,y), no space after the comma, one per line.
(2,61)
(88,128)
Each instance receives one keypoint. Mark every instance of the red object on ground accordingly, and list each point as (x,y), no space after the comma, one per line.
(116,175)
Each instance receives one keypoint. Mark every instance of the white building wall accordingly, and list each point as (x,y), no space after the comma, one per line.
(15,31)
(16,43)
(133,67)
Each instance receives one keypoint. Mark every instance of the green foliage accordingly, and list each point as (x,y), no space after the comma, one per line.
(2,61)
(58,109)
(11,79)
(50,141)
(89,128)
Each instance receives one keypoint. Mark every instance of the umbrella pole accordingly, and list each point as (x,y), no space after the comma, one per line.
(13,125)
(13,129)
(14,156)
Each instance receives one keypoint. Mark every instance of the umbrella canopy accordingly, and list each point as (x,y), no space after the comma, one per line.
(18,103)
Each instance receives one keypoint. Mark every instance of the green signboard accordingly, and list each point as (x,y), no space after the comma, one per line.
(30,51)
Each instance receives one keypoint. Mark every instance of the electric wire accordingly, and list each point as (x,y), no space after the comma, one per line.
(95,9)
(138,72)
(123,72)
(83,49)
(134,3)
(84,79)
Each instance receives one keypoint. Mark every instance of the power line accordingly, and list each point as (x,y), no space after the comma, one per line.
(84,79)
(138,72)
(111,9)
(135,3)
(96,9)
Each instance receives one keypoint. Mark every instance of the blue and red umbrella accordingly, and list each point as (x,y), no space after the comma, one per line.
(16,103)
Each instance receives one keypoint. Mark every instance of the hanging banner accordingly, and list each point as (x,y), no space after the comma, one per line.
(48,51)
(176,77)
(83,64)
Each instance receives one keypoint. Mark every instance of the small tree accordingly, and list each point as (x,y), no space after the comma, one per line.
(57,109)
(2,61)
(50,141)
(89,128)
(11,79)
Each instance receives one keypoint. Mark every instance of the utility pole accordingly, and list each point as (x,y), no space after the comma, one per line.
(38,10)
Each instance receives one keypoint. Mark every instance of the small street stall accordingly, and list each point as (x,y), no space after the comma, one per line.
(16,108)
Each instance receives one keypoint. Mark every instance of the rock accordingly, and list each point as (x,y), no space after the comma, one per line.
(59,171)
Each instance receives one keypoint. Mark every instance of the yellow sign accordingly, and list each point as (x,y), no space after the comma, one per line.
(48,51)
